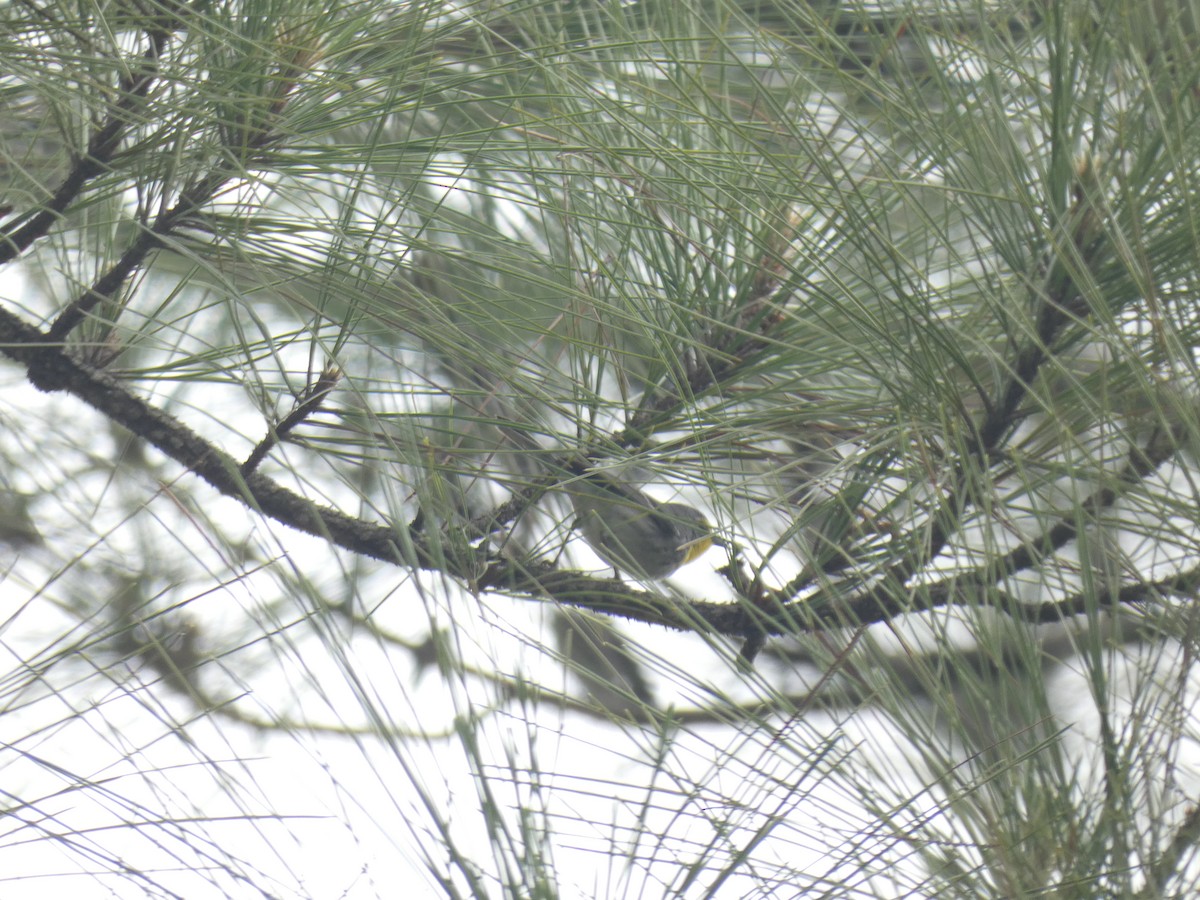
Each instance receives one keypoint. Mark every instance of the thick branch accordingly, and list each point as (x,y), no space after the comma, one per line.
(402,546)
(27,345)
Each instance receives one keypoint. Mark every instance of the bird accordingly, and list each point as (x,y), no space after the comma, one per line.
(635,533)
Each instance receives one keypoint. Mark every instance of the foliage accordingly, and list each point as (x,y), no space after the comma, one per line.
(902,296)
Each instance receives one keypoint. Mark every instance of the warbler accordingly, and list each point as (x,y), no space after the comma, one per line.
(633,532)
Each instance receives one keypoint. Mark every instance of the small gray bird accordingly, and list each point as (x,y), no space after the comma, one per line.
(635,533)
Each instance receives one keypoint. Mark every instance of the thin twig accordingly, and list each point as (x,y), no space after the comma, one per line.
(308,404)
(15,238)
